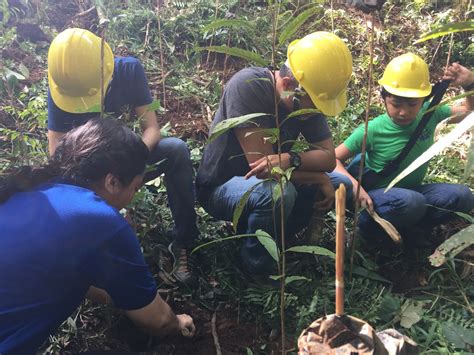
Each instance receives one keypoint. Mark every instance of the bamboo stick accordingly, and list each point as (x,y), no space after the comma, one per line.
(340,219)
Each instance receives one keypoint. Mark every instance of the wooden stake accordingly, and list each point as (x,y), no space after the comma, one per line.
(340,219)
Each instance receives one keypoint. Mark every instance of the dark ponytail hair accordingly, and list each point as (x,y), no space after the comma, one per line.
(83,157)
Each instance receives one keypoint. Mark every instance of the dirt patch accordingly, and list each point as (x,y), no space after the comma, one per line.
(232,334)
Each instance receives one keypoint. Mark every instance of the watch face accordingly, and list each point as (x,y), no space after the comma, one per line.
(295,160)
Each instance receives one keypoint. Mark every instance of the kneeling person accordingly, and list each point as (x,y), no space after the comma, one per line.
(63,237)
(405,85)
(317,72)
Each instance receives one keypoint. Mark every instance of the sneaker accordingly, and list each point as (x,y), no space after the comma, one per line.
(183,268)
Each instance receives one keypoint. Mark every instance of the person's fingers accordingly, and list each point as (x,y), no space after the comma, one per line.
(255,171)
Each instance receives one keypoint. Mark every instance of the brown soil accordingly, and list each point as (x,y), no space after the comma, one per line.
(232,334)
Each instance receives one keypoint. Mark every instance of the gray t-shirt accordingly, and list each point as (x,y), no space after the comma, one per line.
(249,91)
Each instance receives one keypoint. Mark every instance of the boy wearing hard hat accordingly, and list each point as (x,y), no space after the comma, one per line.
(239,162)
(405,85)
(74,97)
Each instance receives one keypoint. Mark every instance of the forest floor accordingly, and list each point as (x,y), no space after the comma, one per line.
(220,322)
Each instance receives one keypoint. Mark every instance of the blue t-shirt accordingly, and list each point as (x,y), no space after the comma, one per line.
(127,89)
(55,242)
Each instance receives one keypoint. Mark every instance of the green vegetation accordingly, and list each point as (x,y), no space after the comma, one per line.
(189,49)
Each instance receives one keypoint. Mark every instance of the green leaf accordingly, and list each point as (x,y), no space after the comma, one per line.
(453,246)
(238,52)
(466,216)
(290,279)
(447,29)
(9,73)
(165,130)
(276,194)
(389,307)
(304,111)
(462,127)
(230,123)
(155,105)
(295,24)
(368,274)
(470,161)
(249,351)
(411,313)
(269,244)
(220,240)
(276,170)
(458,335)
(241,204)
(24,71)
(231,23)
(311,249)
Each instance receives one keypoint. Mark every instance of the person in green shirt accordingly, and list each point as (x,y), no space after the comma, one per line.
(405,86)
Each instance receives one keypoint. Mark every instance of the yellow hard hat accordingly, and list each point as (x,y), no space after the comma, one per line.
(322,64)
(74,70)
(407,76)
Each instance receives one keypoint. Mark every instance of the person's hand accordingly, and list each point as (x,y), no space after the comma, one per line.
(364,199)
(262,168)
(459,75)
(327,191)
(186,325)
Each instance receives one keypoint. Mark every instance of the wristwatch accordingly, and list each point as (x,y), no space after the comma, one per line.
(295,160)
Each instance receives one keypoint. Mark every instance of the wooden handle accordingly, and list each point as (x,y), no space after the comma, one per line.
(340,219)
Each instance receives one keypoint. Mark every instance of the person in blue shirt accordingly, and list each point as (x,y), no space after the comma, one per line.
(74,96)
(63,238)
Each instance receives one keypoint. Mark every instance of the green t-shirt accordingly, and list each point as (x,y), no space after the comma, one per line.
(386,139)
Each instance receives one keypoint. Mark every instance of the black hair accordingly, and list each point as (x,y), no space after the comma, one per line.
(285,71)
(83,157)
(384,93)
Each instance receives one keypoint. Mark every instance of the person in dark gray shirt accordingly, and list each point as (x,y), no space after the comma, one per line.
(241,159)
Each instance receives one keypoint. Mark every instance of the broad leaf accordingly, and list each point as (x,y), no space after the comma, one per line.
(269,244)
(304,111)
(231,23)
(295,24)
(311,249)
(389,307)
(436,148)
(9,73)
(411,313)
(241,204)
(458,335)
(155,105)
(230,123)
(220,240)
(24,70)
(290,279)
(447,29)
(453,246)
(470,161)
(368,274)
(237,52)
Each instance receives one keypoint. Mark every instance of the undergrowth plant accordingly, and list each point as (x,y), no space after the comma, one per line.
(434,314)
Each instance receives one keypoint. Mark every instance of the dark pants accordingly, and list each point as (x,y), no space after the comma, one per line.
(176,166)
(424,205)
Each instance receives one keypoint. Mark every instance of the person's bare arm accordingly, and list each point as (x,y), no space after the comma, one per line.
(156,318)
(149,123)
(260,155)
(342,154)
(460,76)
(53,140)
